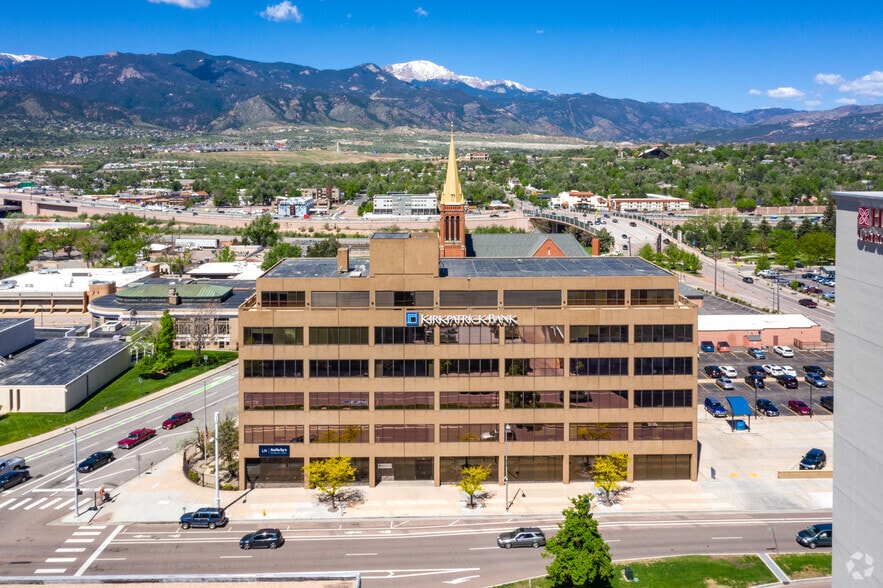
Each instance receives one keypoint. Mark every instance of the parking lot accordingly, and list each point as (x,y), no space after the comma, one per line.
(739,359)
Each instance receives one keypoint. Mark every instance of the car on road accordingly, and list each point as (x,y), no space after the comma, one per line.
(815,370)
(766,407)
(522,537)
(713,371)
(799,406)
(723,346)
(784,350)
(14,478)
(206,518)
(815,459)
(177,419)
(714,407)
(706,347)
(748,280)
(729,371)
(95,461)
(624,236)
(807,302)
(262,538)
(756,352)
(789,371)
(757,370)
(633,224)
(772,369)
(754,381)
(787,381)
(11,463)
(724,383)
(818,535)
(813,379)
(135,437)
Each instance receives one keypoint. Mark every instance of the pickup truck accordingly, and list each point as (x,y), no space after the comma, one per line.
(7,464)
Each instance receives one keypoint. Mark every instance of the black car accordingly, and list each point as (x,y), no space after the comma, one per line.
(95,461)
(748,280)
(814,369)
(827,402)
(269,538)
(14,478)
(713,371)
(756,370)
(787,381)
(754,381)
(766,407)
(815,459)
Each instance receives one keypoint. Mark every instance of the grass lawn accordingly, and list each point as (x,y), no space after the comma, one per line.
(804,565)
(125,389)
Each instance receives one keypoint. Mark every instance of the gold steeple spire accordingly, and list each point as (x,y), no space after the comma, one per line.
(452,194)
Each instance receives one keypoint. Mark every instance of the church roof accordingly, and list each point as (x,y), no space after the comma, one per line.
(519,244)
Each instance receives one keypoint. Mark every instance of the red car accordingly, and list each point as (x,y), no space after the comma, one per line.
(799,406)
(135,437)
(176,420)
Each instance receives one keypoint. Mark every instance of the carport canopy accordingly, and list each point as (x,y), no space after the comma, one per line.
(739,406)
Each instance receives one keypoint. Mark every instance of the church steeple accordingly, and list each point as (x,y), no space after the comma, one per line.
(452,210)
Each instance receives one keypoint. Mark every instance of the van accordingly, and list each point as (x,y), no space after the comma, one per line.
(818,535)
(204,518)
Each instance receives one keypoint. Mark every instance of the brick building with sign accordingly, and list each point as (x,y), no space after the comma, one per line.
(422,359)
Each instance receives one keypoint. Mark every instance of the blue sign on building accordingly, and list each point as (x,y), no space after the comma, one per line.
(412,319)
(274,450)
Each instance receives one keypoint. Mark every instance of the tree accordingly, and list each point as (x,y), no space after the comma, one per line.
(228,443)
(226,255)
(279,251)
(581,557)
(829,217)
(17,248)
(471,478)
(199,328)
(326,248)
(330,475)
(609,470)
(262,231)
(91,246)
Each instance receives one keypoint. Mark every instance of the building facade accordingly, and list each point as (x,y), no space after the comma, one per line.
(858,434)
(401,204)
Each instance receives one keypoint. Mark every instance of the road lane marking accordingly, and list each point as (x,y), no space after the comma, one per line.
(86,533)
(93,527)
(50,570)
(35,503)
(358,554)
(725,538)
(235,557)
(70,550)
(67,502)
(11,500)
(482,548)
(89,540)
(60,559)
(50,503)
(98,551)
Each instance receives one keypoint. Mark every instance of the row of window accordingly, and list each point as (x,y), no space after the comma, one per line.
(425,368)
(468,335)
(465,298)
(486,432)
(452,400)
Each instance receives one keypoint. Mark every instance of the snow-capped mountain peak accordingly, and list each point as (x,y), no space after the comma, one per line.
(9,60)
(424,71)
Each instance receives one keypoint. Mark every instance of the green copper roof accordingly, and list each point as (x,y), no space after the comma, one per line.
(185,291)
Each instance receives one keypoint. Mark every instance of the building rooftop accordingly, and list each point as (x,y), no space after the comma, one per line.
(520,245)
(71,280)
(753,322)
(58,362)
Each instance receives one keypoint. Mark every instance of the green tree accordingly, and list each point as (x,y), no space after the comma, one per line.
(330,475)
(262,231)
(228,443)
(279,251)
(326,248)
(829,217)
(581,557)
(226,255)
(470,481)
(17,248)
(91,246)
(609,470)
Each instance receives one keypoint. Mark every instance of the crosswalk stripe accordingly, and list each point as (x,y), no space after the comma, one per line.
(70,550)
(50,503)
(87,540)
(19,504)
(35,503)
(50,570)
(60,559)
(10,501)
(64,503)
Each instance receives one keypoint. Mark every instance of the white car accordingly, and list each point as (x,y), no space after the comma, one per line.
(772,369)
(789,371)
(784,350)
(729,371)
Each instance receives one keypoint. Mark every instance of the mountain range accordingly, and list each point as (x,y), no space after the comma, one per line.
(194,92)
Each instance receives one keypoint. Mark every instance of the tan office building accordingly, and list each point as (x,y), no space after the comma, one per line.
(420,360)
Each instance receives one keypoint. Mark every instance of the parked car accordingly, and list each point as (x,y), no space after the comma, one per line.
(799,406)
(714,407)
(814,369)
(729,371)
(784,350)
(748,280)
(7,464)
(723,346)
(706,347)
(813,290)
(808,275)
(724,383)
(789,371)
(772,369)
(136,437)
(95,461)
(818,535)
(827,402)
(757,370)
(807,302)
(766,407)
(207,518)
(813,379)
(522,537)
(754,381)
(14,478)
(713,371)
(269,538)
(177,419)
(829,295)
(815,459)
(756,352)
(789,382)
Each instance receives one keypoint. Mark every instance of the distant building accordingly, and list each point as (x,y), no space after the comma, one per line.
(652,203)
(296,207)
(654,153)
(402,204)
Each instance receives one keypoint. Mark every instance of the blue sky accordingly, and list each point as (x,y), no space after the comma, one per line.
(737,55)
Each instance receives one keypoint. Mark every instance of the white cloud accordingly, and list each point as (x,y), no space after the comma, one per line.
(784,93)
(184,3)
(829,79)
(813,103)
(867,85)
(847,101)
(284,11)
(421,12)
(541,31)
(755,92)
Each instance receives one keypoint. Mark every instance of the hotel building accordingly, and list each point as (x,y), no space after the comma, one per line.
(420,360)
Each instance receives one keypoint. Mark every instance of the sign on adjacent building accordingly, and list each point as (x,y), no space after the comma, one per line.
(415,319)
(274,450)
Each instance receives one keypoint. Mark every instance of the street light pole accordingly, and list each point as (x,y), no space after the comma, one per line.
(506,465)
(73,430)
(217,463)
(205,407)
